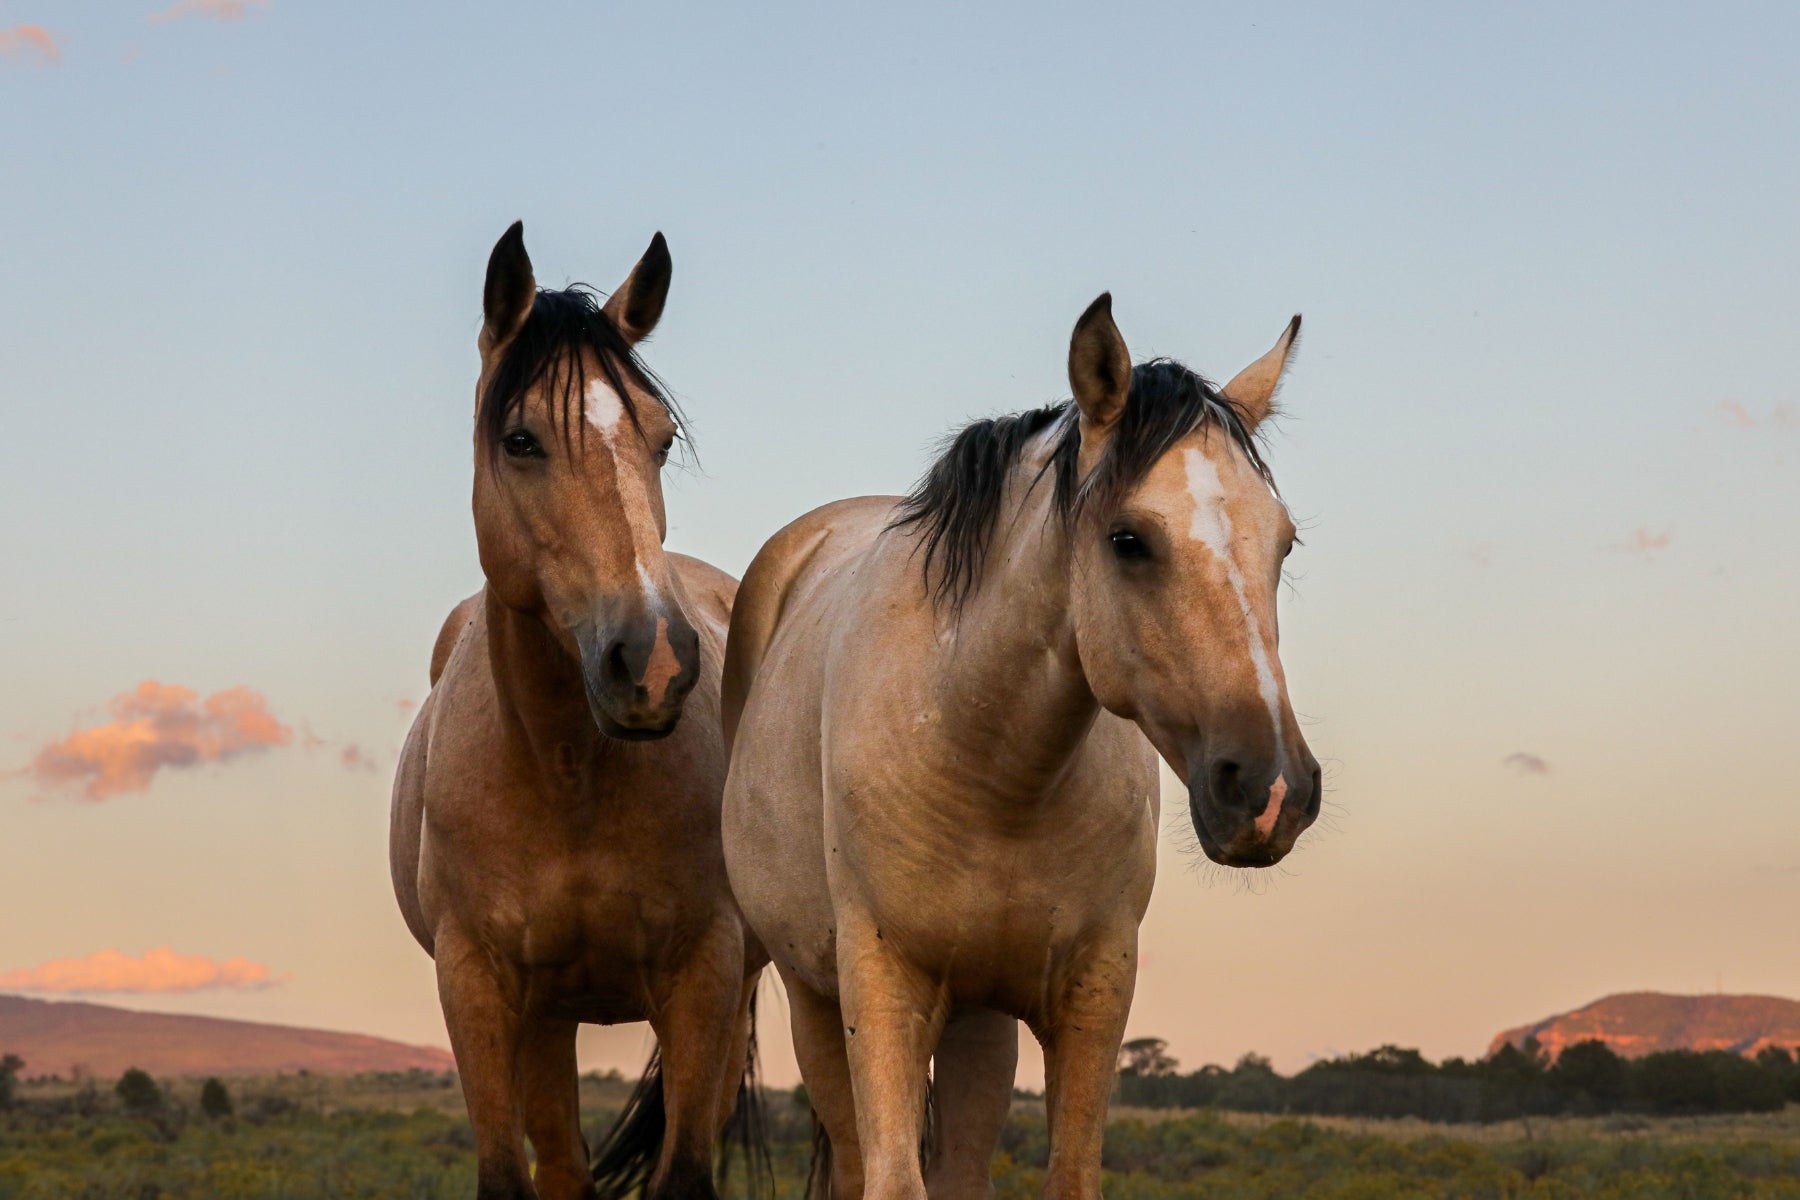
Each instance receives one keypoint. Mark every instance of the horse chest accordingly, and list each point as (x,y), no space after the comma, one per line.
(570,910)
(988,899)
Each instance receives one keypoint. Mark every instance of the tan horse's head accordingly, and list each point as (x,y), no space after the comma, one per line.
(1177,544)
(571,433)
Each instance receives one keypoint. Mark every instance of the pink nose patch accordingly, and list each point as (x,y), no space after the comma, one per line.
(663,665)
(1277,790)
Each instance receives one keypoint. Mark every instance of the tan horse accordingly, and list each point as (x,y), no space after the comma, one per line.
(942,809)
(555,840)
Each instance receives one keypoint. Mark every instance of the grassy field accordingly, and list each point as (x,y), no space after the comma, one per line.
(306,1137)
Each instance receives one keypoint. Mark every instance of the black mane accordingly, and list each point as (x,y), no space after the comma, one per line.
(957,504)
(565,332)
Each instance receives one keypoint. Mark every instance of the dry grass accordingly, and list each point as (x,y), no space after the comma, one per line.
(325,1095)
(414,1091)
(1782,1128)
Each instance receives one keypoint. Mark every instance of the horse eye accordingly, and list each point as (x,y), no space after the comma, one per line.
(1128,545)
(662,456)
(520,444)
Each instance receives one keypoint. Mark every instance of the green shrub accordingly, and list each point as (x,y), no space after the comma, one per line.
(215,1101)
(138,1092)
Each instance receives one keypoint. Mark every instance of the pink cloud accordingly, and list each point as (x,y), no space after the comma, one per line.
(216,10)
(159,970)
(1781,416)
(1645,543)
(156,726)
(33,43)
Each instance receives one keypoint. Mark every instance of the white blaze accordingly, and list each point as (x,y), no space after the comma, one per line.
(604,408)
(604,411)
(1211,527)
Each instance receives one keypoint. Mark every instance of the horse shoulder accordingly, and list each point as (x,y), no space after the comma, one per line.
(459,620)
(787,561)
(710,592)
(406,819)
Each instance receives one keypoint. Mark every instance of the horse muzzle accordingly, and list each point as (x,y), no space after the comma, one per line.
(638,670)
(1249,813)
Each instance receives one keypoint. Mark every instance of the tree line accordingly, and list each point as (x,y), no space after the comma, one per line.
(1587,1078)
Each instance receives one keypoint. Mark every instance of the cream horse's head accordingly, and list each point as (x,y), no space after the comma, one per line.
(571,434)
(1177,543)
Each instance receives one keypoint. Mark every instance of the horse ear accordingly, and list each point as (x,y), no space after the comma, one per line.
(1253,388)
(638,304)
(1099,365)
(507,297)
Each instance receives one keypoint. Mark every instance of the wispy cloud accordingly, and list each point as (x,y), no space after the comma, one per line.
(31,43)
(1521,763)
(1781,416)
(158,970)
(355,758)
(155,726)
(1733,413)
(350,755)
(1644,543)
(216,10)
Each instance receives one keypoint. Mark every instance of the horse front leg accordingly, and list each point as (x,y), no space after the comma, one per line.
(550,1098)
(972,1077)
(697,1025)
(893,1015)
(482,1015)
(1083,1030)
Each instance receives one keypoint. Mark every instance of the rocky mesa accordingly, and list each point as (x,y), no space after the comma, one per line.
(1639,1023)
(66,1037)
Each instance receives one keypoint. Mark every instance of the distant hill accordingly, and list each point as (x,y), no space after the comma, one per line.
(1639,1023)
(55,1037)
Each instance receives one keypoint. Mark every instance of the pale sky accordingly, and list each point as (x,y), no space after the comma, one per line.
(1543,435)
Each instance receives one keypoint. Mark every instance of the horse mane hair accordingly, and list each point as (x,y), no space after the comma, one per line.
(566,331)
(956,505)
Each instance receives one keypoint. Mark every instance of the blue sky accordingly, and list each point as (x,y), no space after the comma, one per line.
(1543,431)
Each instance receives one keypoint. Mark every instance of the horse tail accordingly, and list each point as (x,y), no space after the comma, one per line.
(818,1171)
(629,1152)
(746,1131)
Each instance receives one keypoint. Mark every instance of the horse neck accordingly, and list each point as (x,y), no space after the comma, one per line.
(1013,689)
(540,688)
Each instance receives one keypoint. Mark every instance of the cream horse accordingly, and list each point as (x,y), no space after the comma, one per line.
(555,841)
(942,810)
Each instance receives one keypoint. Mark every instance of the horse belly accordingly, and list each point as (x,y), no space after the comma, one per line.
(774,840)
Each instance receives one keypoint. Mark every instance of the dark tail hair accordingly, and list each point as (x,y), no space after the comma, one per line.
(746,1132)
(629,1152)
(818,1171)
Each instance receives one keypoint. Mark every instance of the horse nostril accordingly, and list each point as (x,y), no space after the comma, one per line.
(1224,784)
(1318,794)
(616,665)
